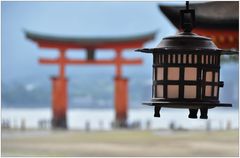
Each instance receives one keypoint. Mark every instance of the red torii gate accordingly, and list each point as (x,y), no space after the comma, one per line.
(59,83)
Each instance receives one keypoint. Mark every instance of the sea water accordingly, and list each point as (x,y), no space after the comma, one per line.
(103,118)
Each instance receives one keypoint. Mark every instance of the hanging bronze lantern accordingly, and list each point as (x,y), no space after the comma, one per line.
(186,71)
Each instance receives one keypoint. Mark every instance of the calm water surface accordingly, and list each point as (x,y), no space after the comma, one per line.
(102,118)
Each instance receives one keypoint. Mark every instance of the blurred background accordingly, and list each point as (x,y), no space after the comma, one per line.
(26,88)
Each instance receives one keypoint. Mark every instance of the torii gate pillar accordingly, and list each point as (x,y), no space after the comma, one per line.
(59,102)
(121,101)
(121,92)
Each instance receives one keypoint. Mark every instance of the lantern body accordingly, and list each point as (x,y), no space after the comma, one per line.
(186,70)
(186,76)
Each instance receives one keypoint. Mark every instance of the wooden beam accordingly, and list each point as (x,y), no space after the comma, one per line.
(71,45)
(88,62)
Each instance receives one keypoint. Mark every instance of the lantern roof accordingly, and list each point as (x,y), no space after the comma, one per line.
(186,41)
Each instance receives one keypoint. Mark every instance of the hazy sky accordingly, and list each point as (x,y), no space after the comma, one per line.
(19,55)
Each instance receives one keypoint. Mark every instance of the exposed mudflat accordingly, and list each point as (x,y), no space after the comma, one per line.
(119,143)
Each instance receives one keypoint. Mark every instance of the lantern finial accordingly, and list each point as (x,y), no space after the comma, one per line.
(187,25)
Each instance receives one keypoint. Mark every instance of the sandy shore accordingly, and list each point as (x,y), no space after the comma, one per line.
(119,143)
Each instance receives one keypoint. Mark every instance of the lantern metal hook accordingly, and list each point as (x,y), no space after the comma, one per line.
(187,25)
(187,5)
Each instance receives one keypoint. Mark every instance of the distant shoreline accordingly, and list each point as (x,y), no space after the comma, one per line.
(91,107)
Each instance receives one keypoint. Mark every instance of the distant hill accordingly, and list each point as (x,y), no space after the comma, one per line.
(87,91)
(96,89)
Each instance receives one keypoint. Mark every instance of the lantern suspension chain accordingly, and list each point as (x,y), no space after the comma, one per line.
(187,5)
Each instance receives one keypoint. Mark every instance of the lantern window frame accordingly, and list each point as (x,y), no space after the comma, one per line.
(211,62)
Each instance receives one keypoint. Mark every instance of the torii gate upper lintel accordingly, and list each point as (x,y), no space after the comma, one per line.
(59,83)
